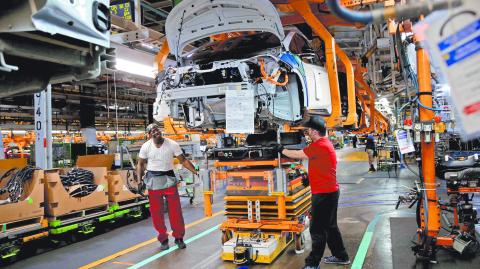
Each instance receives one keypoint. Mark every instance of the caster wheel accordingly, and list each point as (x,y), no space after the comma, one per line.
(299,243)
(226,235)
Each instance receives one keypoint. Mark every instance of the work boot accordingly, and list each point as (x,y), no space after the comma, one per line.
(335,260)
(164,245)
(180,243)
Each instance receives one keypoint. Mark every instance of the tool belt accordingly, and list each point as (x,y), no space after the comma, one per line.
(158,180)
(169,173)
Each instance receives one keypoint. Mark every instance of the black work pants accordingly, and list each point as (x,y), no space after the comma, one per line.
(324,229)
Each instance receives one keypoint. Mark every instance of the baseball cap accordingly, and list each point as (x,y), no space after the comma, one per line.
(152,126)
(316,122)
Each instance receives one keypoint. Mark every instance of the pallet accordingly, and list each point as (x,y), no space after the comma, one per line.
(80,215)
(130,203)
(21,226)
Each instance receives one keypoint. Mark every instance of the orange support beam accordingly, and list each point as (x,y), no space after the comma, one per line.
(428,149)
(352,109)
(363,119)
(302,7)
(281,211)
(382,121)
(207,201)
(161,56)
(359,79)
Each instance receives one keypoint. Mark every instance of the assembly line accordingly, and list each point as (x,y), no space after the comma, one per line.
(239,134)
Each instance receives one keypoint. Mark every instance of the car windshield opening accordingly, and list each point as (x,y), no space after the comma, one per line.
(233,48)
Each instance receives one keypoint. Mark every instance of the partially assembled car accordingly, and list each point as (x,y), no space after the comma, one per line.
(245,49)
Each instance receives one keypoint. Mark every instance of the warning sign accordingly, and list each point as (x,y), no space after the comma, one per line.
(405,142)
(453,38)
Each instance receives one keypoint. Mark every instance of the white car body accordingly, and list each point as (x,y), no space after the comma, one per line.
(195,89)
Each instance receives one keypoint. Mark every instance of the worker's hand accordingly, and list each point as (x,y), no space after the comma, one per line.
(197,170)
(277,148)
(305,181)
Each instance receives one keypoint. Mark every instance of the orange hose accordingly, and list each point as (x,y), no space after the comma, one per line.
(270,79)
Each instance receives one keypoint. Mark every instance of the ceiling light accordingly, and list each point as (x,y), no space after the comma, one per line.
(135,68)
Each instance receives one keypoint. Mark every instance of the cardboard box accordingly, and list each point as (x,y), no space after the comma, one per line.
(59,202)
(117,187)
(31,203)
(13,163)
(96,160)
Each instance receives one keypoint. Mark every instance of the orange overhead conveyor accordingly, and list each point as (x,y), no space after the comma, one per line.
(302,7)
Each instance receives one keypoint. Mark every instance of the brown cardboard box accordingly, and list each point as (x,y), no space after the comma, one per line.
(96,160)
(117,187)
(31,203)
(59,202)
(13,163)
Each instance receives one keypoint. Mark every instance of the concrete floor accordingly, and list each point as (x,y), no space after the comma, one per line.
(364,197)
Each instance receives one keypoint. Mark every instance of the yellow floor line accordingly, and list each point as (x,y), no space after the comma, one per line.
(124,263)
(140,245)
(357,156)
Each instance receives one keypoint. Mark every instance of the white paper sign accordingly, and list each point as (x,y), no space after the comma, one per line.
(453,38)
(405,143)
(40,126)
(240,110)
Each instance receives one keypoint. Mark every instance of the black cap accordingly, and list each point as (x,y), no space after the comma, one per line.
(316,122)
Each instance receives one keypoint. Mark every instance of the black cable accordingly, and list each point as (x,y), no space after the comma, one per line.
(7,174)
(79,182)
(15,187)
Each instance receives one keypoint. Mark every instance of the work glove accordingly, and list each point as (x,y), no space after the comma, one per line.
(277,148)
(305,181)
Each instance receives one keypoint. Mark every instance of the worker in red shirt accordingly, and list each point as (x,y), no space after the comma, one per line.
(322,174)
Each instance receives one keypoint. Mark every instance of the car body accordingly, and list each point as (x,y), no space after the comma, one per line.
(51,41)
(256,55)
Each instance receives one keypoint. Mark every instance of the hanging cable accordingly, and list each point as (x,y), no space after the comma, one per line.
(133,184)
(108,101)
(116,104)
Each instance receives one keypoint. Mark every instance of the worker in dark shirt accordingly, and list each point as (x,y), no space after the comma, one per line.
(322,165)
(371,151)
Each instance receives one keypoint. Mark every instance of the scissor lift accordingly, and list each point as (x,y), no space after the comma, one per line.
(266,206)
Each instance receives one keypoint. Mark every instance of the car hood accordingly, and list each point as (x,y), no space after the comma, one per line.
(192,20)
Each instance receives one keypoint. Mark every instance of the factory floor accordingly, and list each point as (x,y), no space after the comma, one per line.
(367,206)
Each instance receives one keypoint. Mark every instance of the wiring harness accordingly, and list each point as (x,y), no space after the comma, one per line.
(15,186)
(134,185)
(79,182)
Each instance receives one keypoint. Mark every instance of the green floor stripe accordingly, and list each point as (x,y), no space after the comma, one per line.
(163,253)
(365,243)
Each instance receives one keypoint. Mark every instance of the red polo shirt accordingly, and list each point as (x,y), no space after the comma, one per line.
(322,166)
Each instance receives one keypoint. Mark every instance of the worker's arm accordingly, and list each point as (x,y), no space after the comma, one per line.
(295,154)
(141,167)
(186,163)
